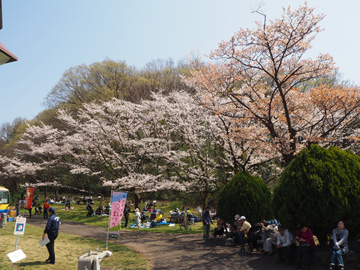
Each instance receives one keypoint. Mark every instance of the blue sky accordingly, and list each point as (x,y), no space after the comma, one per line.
(49,37)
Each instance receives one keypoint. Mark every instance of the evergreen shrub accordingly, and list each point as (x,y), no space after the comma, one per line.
(246,195)
(318,188)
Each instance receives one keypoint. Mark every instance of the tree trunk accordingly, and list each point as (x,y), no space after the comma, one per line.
(56,194)
(137,200)
(204,197)
(288,158)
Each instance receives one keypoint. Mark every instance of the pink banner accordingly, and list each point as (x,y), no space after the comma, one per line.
(117,210)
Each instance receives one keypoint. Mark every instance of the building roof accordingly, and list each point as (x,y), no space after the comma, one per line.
(5,55)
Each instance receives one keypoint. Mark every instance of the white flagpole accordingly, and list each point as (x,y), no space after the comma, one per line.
(107,234)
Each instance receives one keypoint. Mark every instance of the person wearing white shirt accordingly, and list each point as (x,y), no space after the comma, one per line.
(284,244)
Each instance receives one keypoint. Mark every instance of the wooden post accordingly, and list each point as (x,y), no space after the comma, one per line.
(108,229)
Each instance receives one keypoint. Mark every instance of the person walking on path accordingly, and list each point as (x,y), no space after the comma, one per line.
(52,230)
(206,223)
(30,209)
(46,209)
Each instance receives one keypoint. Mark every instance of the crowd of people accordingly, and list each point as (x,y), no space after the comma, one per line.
(149,216)
(276,238)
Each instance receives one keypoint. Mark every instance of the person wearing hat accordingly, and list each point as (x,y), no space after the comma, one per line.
(52,230)
(284,243)
(237,222)
(244,229)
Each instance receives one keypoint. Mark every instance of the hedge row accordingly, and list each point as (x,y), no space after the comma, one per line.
(318,188)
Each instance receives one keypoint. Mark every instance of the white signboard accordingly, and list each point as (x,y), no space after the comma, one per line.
(20,226)
(16,256)
(44,242)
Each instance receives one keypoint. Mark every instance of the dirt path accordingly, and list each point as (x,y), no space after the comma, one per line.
(175,251)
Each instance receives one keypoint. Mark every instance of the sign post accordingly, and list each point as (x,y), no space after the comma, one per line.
(19,230)
(20,226)
(118,201)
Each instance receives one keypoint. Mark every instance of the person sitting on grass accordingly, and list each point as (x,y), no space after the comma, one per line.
(143,216)
(67,204)
(159,216)
(107,209)
(99,210)
(284,244)
(340,235)
(38,209)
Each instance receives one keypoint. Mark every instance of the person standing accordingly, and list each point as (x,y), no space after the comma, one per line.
(18,203)
(138,218)
(340,248)
(206,219)
(199,212)
(126,215)
(30,209)
(52,230)
(46,209)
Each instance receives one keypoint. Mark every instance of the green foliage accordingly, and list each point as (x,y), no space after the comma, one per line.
(245,195)
(318,188)
(108,79)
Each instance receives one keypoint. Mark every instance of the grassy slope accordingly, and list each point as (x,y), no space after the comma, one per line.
(79,215)
(67,248)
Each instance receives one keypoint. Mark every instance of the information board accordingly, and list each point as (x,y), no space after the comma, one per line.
(20,226)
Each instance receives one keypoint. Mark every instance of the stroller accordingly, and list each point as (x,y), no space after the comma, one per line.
(90,210)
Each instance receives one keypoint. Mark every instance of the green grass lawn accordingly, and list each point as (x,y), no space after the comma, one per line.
(67,249)
(78,214)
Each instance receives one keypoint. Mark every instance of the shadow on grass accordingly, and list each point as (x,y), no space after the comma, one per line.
(30,263)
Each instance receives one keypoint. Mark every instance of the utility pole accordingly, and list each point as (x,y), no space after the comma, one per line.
(1,14)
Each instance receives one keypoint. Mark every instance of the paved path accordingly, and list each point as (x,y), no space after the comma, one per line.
(175,251)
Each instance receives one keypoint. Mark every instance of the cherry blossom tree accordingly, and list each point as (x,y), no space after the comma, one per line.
(39,157)
(258,78)
(170,142)
(122,143)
